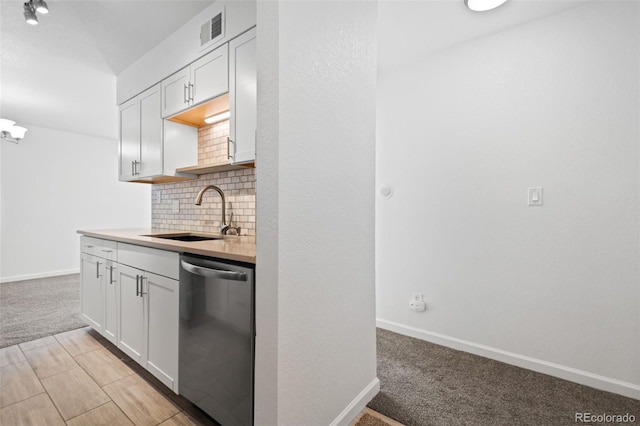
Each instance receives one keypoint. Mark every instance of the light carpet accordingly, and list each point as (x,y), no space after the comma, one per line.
(37,308)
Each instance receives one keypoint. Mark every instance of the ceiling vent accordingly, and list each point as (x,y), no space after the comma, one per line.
(212,30)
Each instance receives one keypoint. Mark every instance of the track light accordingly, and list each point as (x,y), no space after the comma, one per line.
(30,9)
(30,14)
(40,6)
(10,132)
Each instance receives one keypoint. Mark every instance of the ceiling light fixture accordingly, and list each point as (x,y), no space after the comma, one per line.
(10,132)
(217,118)
(30,9)
(40,6)
(30,14)
(483,5)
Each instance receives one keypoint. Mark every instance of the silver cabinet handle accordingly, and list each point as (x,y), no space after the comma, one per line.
(213,273)
(191,92)
(97,269)
(111,281)
(133,168)
(137,285)
(184,94)
(107,251)
(142,292)
(88,246)
(229,142)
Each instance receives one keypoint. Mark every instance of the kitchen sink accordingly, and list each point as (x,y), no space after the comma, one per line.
(186,237)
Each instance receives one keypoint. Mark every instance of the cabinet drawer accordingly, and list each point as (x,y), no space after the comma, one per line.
(161,262)
(97,247)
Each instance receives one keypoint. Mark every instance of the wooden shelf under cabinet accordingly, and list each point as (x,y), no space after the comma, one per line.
(195,116)
(204,169)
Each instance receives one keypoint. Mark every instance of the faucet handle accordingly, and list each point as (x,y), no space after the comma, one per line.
(225,230)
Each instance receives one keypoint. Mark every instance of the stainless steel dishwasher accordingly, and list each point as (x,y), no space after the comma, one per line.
(217,335)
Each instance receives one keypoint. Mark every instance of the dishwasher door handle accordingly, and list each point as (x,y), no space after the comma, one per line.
(213,273)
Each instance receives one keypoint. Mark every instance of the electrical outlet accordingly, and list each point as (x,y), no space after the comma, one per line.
(417,303)
(175,206)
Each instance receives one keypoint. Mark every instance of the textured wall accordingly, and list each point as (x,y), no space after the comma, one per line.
(316,250)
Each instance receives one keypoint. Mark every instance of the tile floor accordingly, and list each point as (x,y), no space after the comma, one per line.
(79,378)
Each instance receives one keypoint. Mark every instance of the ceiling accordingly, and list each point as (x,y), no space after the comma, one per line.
(61,73)
(109,35)
(51,73)
(409,30)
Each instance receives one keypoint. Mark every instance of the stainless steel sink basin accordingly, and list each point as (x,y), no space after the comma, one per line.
(186,236)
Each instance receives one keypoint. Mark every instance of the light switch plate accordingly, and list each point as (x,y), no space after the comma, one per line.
(175,206)
(535,196)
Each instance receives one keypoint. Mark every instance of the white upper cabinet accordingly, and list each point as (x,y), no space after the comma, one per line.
(151,149)
(204,79)
(129,138)
(210,75)
(175,92)
(242,97)
(150,133)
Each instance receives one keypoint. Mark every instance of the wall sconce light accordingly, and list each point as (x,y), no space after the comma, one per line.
(30,9)
(217,118)
(10,132)
(483,5)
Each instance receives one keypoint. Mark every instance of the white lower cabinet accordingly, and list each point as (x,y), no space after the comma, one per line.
(134,302)
(131,313)
(97,256)
(110,305)
(148,310)
(161,328)
(91,272)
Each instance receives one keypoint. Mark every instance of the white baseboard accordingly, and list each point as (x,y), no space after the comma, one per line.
(353,409)
(563,372)
(40,275)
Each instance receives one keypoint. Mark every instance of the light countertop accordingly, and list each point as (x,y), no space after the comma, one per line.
(231,247)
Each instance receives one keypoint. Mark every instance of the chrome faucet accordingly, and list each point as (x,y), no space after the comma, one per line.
(224,228)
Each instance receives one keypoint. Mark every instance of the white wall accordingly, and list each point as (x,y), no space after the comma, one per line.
(316,362)
(462,134)
(52,184)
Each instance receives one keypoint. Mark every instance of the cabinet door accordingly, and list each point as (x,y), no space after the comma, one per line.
(129,139)
(150,133)
(175,93)
(210,75)
(91,272)
(162,328)
(242,97)
(130,313)
(110,280)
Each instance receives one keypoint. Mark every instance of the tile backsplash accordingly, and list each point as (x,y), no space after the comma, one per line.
(239,187)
